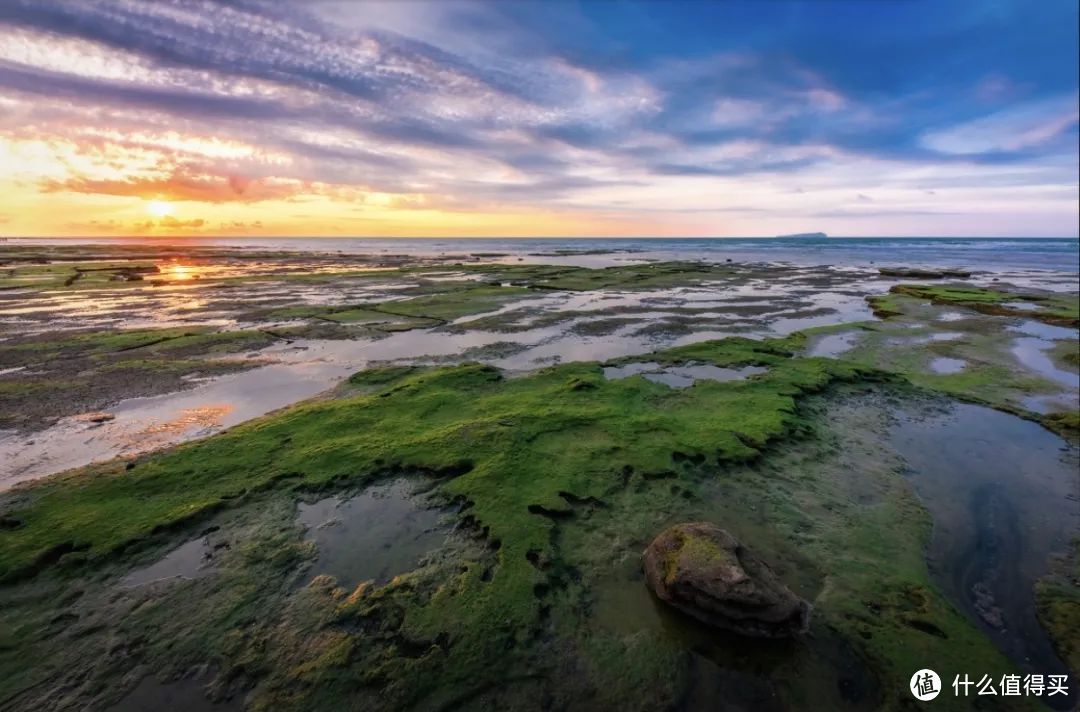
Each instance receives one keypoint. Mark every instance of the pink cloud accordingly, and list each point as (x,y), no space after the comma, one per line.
(184,186)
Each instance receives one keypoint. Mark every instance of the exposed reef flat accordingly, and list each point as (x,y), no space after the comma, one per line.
(64,373)
(999,350)
(507,502)
(1060,309)
(924,273)
(296,325)
(543,467)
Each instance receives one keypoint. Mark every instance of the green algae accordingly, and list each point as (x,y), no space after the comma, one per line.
(1057,599)
(176,341)
(371,316)
(698,552)
(52,346)
(464,410)
(602,326)
(458,303)
(382,375)
(167,626)
(667,328)
(87,274)
(656,275)
(80,273)
(558,473)
(419,311)
(884,305)
(31,401)
(1064,423)
(430,296)
(211,342)
(908,340)
(1062,309)
(923,273)
(430,302)
(1066,354)
(484,352)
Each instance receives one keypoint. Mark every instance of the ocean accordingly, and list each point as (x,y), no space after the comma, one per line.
(1057,254)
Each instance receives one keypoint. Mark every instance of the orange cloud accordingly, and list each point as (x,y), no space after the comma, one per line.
(182,186)
(173,224)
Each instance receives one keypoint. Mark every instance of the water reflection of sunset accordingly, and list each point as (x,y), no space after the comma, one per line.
(180,272)
(202,417)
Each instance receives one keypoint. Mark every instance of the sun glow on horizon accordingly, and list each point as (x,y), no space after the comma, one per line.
(488,119)
(160,208)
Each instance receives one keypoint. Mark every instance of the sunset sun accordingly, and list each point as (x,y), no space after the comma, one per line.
(159,208)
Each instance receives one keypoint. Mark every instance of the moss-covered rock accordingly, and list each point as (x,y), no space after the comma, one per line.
(706,573)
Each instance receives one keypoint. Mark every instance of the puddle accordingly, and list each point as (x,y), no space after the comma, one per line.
(1026,306)
(143,424)
(953,316)
(202,420)
(1003,496)
(376,535)
(789,325)
(945,336)
(802,297)
(301,370)
(832,345)
(190,560)
(681,376)
(947,366)
(1031,350)
(937,337)
(1049,332)
(189,695)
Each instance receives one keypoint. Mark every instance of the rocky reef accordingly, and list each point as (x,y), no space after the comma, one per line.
(924,273)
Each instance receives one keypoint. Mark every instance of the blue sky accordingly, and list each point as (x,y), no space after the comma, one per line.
(519,117)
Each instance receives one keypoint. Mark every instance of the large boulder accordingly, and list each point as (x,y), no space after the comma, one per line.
(706,573)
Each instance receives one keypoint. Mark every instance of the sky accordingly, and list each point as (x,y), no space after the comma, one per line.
(532,118)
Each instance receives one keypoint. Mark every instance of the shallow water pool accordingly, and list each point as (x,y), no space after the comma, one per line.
(1003,494)
(380,533)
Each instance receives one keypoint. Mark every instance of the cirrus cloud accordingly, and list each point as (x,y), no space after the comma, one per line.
(503,108)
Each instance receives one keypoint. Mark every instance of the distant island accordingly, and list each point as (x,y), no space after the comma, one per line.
(805,234)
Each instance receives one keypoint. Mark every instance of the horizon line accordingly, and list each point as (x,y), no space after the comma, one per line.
(794,236)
